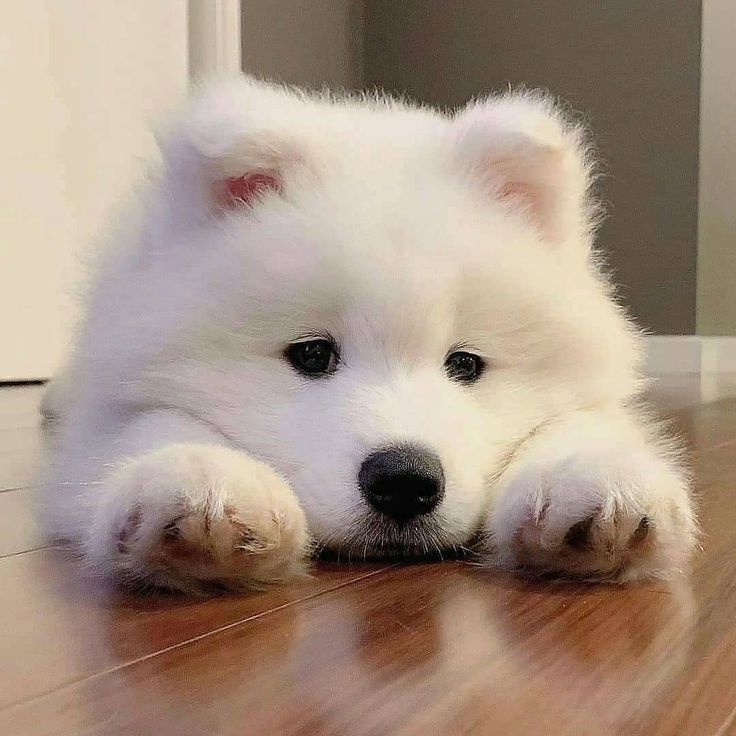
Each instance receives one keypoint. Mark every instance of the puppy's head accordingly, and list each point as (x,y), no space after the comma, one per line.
(383,302)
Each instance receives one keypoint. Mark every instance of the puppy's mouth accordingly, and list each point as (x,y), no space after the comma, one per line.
(377,537)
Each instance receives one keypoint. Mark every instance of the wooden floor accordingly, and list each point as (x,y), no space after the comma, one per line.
(441,648)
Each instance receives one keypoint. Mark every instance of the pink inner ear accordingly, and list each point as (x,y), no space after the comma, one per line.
(524,196)
(238,190)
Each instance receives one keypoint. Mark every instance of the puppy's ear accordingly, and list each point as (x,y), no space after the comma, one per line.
(532,160)
(229,147)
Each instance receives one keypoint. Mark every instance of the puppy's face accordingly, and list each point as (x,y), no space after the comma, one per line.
(387,325)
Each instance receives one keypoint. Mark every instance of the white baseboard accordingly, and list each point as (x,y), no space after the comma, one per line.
(690,354)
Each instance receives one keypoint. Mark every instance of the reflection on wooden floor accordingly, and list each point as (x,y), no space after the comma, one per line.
(437,648)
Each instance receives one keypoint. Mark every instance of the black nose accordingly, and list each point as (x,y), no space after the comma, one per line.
(403,481)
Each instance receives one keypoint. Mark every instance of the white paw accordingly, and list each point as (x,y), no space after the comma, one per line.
(618,515)
(190,517)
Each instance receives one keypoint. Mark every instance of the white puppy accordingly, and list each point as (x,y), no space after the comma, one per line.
(368,325)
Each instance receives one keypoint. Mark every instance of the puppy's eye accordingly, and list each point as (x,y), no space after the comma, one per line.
(464,367)
(313,357)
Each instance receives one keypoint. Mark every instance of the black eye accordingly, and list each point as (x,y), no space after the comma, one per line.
(313,357)
(464,367)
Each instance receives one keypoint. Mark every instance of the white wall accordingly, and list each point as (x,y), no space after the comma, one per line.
(716,313)
(82,82)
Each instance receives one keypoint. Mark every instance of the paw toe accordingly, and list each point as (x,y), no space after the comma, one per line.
(132,522)
(641,533)
(171,531)
(578,536)
(599,546)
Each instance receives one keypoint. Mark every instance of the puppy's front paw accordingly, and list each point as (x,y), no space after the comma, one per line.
(190,517)
(618,515)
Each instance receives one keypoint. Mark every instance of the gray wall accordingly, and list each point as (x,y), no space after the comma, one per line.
(632,66)
(306,42)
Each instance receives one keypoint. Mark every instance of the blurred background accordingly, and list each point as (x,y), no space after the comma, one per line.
(85,81)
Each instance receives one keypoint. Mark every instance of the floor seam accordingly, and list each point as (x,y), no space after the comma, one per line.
(28,551)
(728,722)
(24,487)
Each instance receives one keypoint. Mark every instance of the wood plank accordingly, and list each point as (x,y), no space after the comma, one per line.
(58,625)
(19,406)
(440,649)
(19,528)
(679,391)
(20,453)
(430,648)
(20,439)
(707,426)
(443,649)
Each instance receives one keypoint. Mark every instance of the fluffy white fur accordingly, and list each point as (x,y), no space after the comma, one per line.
(188,451)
